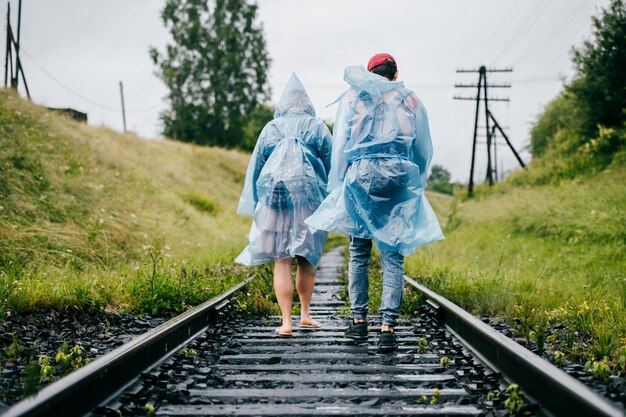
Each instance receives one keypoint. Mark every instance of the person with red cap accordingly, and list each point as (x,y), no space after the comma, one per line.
(381,154)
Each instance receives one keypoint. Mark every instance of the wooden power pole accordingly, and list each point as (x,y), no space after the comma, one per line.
(123,108)
(482,95)
(12,72)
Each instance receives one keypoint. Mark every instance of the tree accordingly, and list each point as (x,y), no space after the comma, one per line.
(439,173)
(439,180)
(600,85)
(215,70)
(559,126)
(255,122)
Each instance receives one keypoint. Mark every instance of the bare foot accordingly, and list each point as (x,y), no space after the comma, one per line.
(308,321)
(283,330)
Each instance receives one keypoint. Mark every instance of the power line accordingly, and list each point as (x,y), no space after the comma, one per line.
(528,23)
(561,39)
(504,22)
(478,38)
(558,31)
(412,86)
(79,95)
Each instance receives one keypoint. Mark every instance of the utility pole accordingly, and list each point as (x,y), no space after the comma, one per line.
(481,90)
(17,44)
(14,45)
(495,152)
(8,48)
(123,109)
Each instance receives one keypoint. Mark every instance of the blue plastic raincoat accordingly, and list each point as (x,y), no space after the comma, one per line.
(286,182)
(381,153)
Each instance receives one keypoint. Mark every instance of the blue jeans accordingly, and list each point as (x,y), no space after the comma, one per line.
(393,281)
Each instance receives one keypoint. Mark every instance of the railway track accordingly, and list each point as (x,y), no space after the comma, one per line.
(209,362)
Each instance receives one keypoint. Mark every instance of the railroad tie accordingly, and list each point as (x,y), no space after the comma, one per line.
(251,371)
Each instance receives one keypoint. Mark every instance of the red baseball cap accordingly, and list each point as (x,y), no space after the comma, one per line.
(379,59)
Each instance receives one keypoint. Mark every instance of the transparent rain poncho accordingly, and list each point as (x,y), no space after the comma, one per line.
(286,182)
(381,153)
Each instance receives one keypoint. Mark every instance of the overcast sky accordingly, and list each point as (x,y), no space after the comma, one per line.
(75,52)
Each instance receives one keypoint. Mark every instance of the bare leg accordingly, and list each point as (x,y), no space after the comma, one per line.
(283,287)
(305,281)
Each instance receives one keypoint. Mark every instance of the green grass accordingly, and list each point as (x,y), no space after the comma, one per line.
(201,202)
(539,255)
(90,218)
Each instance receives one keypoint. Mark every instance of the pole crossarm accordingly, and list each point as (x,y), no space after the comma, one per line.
(500,70)
(476,98)
(485,70)
(488,85)
(493,144)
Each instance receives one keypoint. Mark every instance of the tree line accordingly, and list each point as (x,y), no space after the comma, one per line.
(584,128)
(216,67)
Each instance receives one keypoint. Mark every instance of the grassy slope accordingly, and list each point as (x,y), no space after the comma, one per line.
(539,254)
(85,211)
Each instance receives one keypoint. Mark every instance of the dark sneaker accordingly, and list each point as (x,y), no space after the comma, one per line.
(357,331)
(387,341)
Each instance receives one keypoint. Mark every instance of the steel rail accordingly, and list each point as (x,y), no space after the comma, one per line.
(77,393)
(558,392)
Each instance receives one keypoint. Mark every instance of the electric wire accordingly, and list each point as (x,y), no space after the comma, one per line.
(82,97)
(479,37)
(555,56)
(529,23)
(504,22)
(556,34)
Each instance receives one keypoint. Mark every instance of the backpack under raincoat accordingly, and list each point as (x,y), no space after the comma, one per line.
(286,182)
(381,153)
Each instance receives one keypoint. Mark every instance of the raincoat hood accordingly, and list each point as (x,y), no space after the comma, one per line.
(294,99)
(286,181)
(373,84)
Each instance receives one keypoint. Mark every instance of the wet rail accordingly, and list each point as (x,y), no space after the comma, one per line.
(448,363)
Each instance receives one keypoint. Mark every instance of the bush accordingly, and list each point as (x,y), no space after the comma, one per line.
(201,202)
(600,85)
(559,122)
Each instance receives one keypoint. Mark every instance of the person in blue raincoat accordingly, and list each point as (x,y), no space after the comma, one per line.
(285,183)
(381,153)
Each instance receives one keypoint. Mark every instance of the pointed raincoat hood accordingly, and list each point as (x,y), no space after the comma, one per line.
(286,182)
(294,99)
